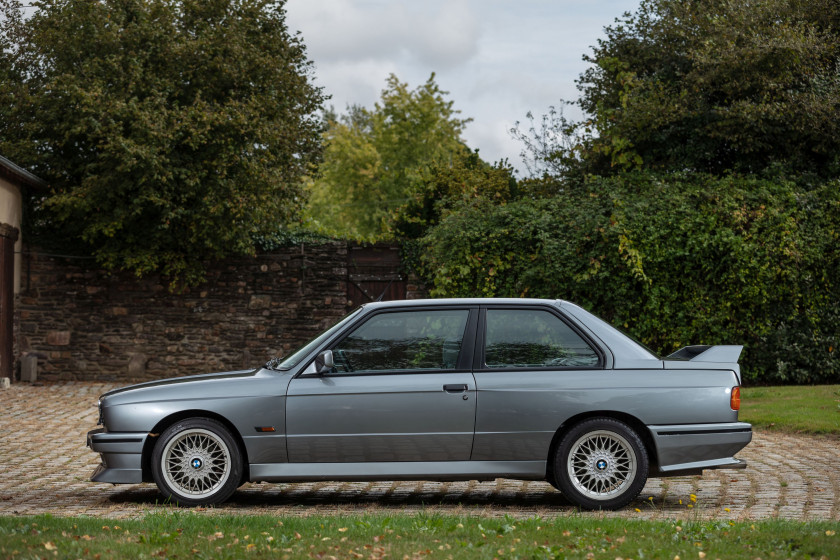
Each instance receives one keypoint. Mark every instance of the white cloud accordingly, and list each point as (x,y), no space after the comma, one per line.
(498,59)
(354,82)
(439,34)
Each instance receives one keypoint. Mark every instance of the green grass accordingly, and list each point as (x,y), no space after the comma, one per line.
(199,535)
(793,409)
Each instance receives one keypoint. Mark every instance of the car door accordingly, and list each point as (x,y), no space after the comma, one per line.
(401,390)
(532,368)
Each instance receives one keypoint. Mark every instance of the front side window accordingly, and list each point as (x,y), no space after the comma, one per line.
(403,341)
(533,338)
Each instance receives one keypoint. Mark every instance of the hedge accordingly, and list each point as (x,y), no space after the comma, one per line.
(674,260)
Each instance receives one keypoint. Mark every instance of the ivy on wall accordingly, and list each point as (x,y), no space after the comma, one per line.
(673,259)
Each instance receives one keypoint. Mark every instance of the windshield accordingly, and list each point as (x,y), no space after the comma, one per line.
(296,357)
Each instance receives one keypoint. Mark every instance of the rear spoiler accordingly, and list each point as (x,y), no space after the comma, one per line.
(701,353)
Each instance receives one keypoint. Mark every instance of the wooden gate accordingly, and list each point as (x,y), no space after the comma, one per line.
(374,273)
(8,236)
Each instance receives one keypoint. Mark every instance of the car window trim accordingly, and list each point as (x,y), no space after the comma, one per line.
(479,364)
(391,372)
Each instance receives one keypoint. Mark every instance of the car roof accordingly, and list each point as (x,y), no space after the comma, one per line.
(459,301)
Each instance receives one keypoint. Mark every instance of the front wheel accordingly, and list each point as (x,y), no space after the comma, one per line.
(601,463)
(197,462)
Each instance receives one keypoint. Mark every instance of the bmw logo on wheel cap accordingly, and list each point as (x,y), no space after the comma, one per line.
(196,463)
(601,465)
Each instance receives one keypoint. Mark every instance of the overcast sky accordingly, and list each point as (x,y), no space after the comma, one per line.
(498,59)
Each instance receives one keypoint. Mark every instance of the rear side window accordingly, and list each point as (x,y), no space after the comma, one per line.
(533,338)
(415,340)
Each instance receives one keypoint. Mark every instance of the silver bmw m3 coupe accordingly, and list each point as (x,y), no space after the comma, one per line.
(457,389)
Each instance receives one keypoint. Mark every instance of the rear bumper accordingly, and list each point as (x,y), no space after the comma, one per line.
(691,448)
(121,455)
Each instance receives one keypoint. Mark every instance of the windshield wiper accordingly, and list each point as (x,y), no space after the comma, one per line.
(273,363)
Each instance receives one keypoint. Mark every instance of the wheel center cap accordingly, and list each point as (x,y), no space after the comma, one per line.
(196,463)
(601,464)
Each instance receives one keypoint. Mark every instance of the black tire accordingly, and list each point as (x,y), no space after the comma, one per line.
(197,462)
(601,463)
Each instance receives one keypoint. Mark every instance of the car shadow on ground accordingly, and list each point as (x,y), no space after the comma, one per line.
(259,497)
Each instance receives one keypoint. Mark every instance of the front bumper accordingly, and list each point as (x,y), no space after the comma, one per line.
(121,454)
(691,448)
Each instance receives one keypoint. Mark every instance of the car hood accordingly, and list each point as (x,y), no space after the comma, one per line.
(224,384)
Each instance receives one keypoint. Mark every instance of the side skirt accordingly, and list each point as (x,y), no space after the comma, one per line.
(442,470)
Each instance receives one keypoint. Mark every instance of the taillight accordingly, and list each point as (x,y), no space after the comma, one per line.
(735,398)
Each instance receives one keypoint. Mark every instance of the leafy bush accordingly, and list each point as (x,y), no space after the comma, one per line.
(673,259)
(465,176)
(289,237)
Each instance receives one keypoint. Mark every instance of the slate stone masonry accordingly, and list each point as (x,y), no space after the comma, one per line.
(85,324)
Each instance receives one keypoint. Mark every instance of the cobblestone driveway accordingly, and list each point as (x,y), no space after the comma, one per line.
(45,467)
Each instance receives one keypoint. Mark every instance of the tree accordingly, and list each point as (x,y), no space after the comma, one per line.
(446,184)
(713,86)
(171,131)
(550,146)
(375,158)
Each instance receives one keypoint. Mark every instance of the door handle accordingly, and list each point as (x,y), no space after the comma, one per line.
(459,388)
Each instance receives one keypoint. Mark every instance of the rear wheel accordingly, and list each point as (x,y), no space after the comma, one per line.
(197,462)
(601,463)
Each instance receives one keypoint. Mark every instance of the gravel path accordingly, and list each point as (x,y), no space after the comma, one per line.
(45,468)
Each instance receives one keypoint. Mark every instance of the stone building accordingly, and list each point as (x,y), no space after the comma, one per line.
(13,181)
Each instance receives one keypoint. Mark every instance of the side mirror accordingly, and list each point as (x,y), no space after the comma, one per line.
(324,362)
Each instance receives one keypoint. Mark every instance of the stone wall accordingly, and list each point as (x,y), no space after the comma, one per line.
(83,323)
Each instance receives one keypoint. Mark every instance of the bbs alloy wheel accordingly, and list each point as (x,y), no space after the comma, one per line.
(197,462)
(601,464)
